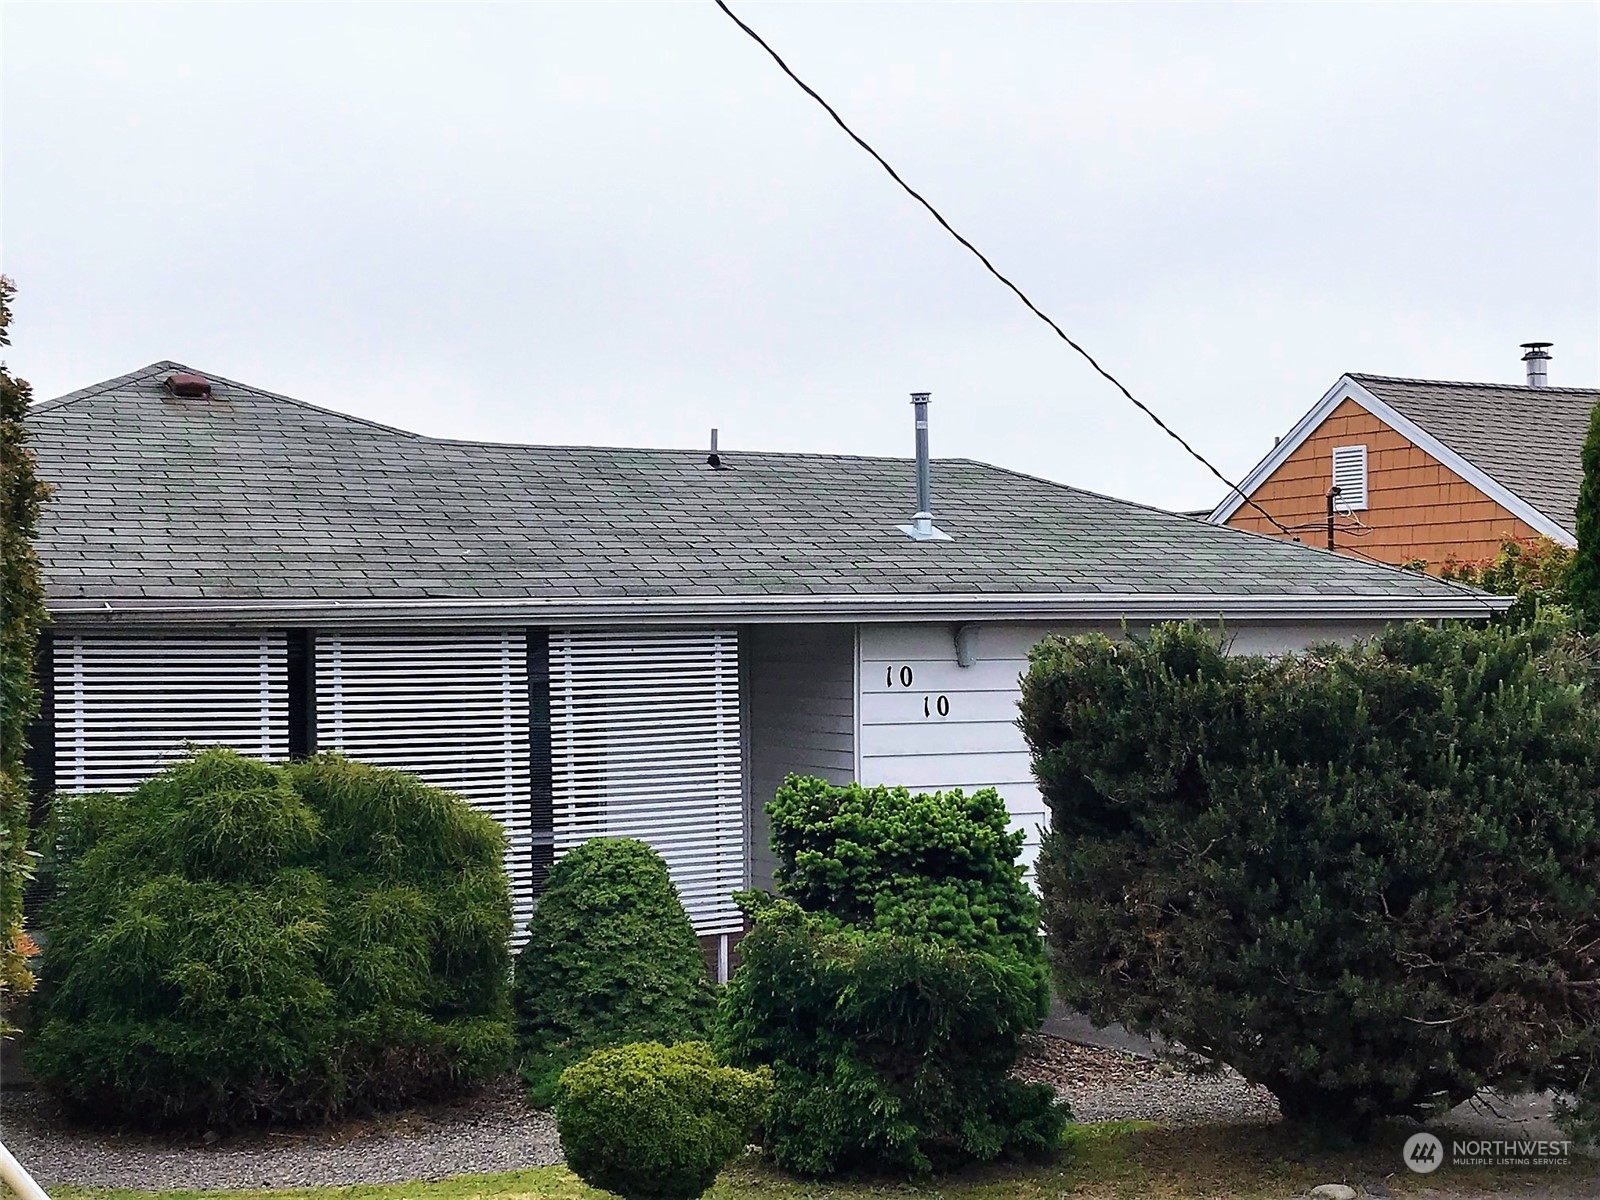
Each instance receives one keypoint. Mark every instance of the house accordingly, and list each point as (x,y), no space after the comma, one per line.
(588,641)
(1425,470)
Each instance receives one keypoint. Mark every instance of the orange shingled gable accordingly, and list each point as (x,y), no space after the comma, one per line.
(1416,506)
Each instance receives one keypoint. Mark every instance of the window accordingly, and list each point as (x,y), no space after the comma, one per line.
(451,709)
(127,706)
(1350,477)
(645,743)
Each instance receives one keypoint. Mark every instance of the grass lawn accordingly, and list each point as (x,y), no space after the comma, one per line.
(1111,1161)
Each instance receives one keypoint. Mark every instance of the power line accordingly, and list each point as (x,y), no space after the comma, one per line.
(993,270)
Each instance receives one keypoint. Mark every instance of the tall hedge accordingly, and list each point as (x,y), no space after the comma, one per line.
(233,941)
(610,958)
(1367,877)
(1583,576)
(891,987)
(22,614)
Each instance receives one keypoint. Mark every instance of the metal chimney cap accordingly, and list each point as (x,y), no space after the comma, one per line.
(1538,353)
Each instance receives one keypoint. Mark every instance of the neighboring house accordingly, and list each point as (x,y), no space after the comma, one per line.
(1433,471)
(596,641)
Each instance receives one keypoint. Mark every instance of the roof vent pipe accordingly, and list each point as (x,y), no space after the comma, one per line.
(922,528)
(1538,353)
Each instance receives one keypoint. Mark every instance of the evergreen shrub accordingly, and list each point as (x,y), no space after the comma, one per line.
(234,940)
(610,958)
(22,615)
(890,990)
(654,1122)
(1367,877)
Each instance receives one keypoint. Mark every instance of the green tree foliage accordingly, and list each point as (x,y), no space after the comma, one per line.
(1366,877)
(654,1122)
(611,957)
(1583,579)
(890,990)
(1536,573)
(234,940)
(22,614)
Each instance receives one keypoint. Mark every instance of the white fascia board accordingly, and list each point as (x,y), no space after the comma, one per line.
(1479,479)
(1451,600)
(1349,389)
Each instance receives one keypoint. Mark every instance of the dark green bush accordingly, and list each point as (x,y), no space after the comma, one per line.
(891,991)
(234,940)
(1367,878)
(654,1122)
(610,958)
(938,864)
(888,1052)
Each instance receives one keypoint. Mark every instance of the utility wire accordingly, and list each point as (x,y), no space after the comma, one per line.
(993,270)
(1036,311)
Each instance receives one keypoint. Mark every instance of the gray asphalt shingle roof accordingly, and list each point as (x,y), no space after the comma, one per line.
(252,496)
(1526,439)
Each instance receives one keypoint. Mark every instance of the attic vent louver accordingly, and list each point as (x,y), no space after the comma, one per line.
(188,385)
(1350,477)
(922,528)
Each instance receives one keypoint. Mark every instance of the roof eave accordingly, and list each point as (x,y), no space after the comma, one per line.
(703,610)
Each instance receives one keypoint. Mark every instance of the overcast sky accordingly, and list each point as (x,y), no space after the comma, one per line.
(621,225)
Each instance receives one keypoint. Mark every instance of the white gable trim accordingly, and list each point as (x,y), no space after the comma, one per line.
(1349,389)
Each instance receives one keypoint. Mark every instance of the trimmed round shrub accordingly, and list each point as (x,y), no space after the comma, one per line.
(891,989)
(611,958)
(888,1052)
(234,941)
(654,1122)
(1368,877)
(926,864)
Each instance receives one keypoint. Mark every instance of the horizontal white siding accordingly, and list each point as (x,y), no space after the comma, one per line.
(928,723)
(802,718)
(126,707)
(451,710)
(645,742)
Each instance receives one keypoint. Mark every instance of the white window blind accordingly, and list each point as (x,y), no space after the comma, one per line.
(126,706)
(645,743)
(1350,477)
(451,710)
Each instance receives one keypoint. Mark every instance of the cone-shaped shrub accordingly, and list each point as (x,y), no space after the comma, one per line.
(1366,877)
(610,958)
(234,940)
(654,1122)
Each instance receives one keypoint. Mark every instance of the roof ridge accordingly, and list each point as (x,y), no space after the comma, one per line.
(108,385)
(1359,376)
(732,455)
(155,368)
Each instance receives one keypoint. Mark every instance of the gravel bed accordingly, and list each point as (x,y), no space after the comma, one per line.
(493,1130)
(1110,1085)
